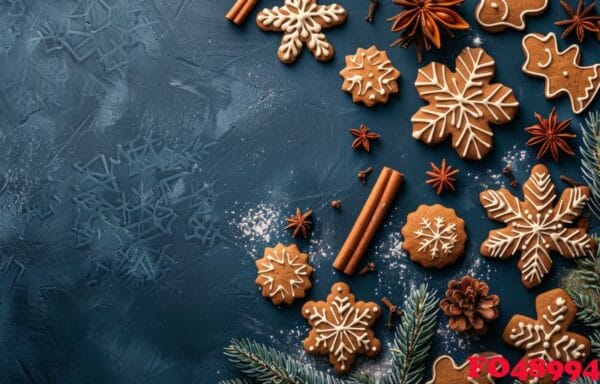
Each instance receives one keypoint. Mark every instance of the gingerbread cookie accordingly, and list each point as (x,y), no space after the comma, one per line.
(561,70)
(462,104)
(302,22)
(497,15)
(536,226)
(547,337)
(446,371)
(283,273)
(370,76)
(341,327)
(434,236)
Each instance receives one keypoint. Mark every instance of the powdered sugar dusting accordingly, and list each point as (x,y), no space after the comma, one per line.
(258,226)
(517,159)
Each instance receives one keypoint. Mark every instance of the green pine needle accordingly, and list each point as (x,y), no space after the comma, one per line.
(595,339)
(590,159)
(362,378)
(267,365)
(412,341)
(583,285)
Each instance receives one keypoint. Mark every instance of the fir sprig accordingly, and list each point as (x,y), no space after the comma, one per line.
(412,341)
(267,365)
(595,339)
(590,159)
(583,285)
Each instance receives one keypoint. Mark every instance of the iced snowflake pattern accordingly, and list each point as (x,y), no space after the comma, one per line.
(341,327)
(536,226)
(548,337)
(438,237)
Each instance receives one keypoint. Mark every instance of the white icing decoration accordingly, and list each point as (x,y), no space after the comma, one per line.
(520,25)
(300,20)
(461,106)
(548,61)
(437,238)
(345,331)
(579,104)
(537,235)
(277,259)
(381,78)
(539,336)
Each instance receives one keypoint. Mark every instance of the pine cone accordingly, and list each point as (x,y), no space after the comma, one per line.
(469,305)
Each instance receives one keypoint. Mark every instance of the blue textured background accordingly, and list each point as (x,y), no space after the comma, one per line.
(150,150)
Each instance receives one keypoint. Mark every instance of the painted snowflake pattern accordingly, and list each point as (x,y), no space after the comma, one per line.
(547,337)
(437,237)
(341,327)
(537,225)
(301,22)
(462,104)
(283,273)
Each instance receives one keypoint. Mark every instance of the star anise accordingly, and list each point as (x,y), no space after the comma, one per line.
(299,223)
(552,134)
(421,21)
(441,177)
(363,137)
(581,20)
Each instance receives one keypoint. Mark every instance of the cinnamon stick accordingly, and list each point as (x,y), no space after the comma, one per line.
(240,11)
(370,217)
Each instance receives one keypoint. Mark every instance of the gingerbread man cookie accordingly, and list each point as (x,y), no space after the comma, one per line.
(370,76)
(446,371)
(434,236)
(497,15)
(341,327)
(302,22)
(547,337)
(462,104)
(561,70)
(536,226)
(283,273)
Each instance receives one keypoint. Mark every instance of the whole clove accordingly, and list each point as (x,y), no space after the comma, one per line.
(362,175)
(372,8)
(570,182)
(393,312)
(507,171)
(367,269)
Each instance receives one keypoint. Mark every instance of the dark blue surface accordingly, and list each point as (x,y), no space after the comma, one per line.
(151,150)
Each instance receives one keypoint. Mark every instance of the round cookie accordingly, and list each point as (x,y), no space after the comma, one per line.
(434,236)
(370,76)
(341,327)
(283,273)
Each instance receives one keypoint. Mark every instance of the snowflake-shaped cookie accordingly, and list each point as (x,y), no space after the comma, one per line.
(547,337)
(536,226)
(341,327)
(462,104)
(370,76)
(283,273)
(301,22)
(434,236)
